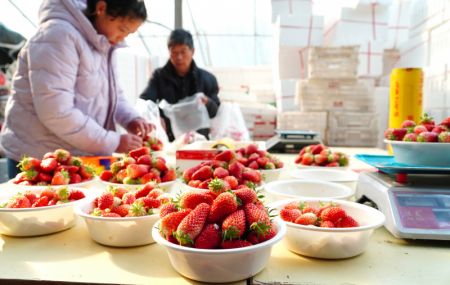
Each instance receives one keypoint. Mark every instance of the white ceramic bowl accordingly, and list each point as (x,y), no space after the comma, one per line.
(26,222)
(19,187)
(118,232)
(345,177)
(166,186)
(270,175)
(302,188)
(220,265)
(421,153)
(332,243)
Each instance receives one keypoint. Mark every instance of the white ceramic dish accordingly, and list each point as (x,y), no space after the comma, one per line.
(117,232)
(38,187)
(302,188)
(24,222)
(332,243)
(220,265)
(421,153)
(345,177)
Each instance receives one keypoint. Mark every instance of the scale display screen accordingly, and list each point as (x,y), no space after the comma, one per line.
(423,210)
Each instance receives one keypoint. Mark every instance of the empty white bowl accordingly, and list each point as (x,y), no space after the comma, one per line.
(302,188)
(118,232)
(220,265)
(345,177)
(332,243)
(25,222)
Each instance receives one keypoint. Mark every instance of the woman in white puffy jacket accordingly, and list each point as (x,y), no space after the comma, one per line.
(65,91)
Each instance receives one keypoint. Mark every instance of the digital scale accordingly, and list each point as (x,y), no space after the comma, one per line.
(417,207)
(290,141)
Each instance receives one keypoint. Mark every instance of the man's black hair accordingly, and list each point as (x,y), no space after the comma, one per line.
(180,37)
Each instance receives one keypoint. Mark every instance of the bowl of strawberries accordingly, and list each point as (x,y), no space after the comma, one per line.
(137,168)
(218,237)
(319,155)
(424,143)
(327,228)
(122,218)
(33,212)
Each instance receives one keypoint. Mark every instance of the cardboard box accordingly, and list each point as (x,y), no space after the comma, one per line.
(299,31)
(370,59)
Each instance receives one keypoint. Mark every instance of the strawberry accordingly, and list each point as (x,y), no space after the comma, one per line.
(121,175)
(105,201)
(155,193)
(235,168)
(232,181)
(218,186)
(117,191)
(192,199)
(209,237)
(160,164)
(420,129)
(307,159)
(409,125)
(110,215)
(233,226)
(254,238)
(49,193)
(75,194)
(74,178)
(332,214)
(41,202)
(306,219)
(86,172)
(262,162)
(187,174)
(226,155)
(427,121)
(136,170)
(30,196)
(236,243)
(327,224)
(444,137)
(75,161)
(19,202)
(191,226)
(61,155)
(128,198)
(137,209)
(220,172)
(150,203)
(411,137)
(48,155)
(194,183)
(251,148)
(169,175)
(144,159)
(427,137)
(251,175)
(29,163)
(439,129)
(317,149)
(253,157)
(68,168)
(205,172)
(170,222)
(116,166)
(222,206)
(290,215)
(257,218)
(136,153)
(148,178)
(246,195)
(144,191)
(60,178)
(270,165)
(395,134)
(346,222)
(332,164)
(446,122)
(320,159)
(167,209)
(253,165)
(106,175)
(204,184)
(121,210)
(343,159)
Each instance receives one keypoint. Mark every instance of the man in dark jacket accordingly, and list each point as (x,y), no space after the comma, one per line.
(180,78)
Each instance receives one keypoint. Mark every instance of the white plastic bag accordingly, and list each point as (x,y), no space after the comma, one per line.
(189,114)
(229,123)
(148,110)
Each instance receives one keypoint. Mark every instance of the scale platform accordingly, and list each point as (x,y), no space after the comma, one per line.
(417,208)
(291,141)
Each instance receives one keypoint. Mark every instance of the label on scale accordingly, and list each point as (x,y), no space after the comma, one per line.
(423,210)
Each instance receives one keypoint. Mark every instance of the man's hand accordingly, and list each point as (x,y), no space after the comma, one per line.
(140,127)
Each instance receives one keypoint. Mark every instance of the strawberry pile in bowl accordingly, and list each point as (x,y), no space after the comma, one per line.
(319,155)
(55,168)
(34,212)
(424,144)
(218,237)
(223,173)
(327,228)
(137,168)
(122,218)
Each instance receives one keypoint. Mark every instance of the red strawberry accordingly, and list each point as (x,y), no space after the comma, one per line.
(68,168)
(48,155)
(317,149)
(191,226)
(61,155)
(232,181)
(171,221)
(253,165)
(439,129)
(235,168)
(116,166)
(420,129)
(75,194)
(169,175)
(29,163)
(160,164)
(332,214)
(427,121)
(427,137)
(257,218)
(167,209)
(60,178)
(117,191)
(128,198)
(409,125)
(251,148)
(204,184)
(144,191)
(155,193)
(222,206)
(218,186)
(411,137)
(75,161)
(395,134)
(86,172)
(446,122)
(144,159)
(136,153)
(44,177)
(320,159)
(236,243)
(251,175)
(192,199)
(194,183)
(307,159)
(106,175)
(105,201)
(187,174)
(233,226)
(74,178)
(327,224)
(209,238)
(19,202)
(148,178)
(246,195)
(220,172)
(137,170)
(444,137)
(110,215)
(150,203)
(203,173)
(121,210)
(226,155)
(290,215)
(347,222)
(306,219)
(49,193)
(254,238)
(41,202)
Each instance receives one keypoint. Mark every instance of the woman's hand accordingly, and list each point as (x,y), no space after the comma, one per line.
(140,127)
(129,142)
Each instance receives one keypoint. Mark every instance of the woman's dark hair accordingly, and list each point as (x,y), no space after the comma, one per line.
(135,9)
(180,37)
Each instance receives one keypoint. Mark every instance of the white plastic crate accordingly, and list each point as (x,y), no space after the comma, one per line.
(333,62)
(361,137)
(303,121)
(336,103)
(332,87)
(352,120)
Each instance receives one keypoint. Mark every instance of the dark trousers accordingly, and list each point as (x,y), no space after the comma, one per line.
(13,170)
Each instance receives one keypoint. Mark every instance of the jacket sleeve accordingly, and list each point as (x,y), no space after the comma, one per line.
(211,91)
(151,91)
(53,64)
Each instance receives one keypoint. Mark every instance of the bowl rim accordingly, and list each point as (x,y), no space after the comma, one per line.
(78,209)
(267,187)
(162,184)
(36,187)
(348,172)
(381,218)
(68,204)
(162,241)
(415,143)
